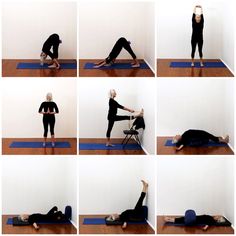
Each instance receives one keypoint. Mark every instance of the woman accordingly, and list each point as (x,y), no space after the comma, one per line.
(112,114)
(48,109)
(53,41)
(196,138)
(197,35)
(121,43)
(205,220)
(52,216)
(135,214)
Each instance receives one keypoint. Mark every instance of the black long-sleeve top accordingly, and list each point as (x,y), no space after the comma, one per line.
(197,27)
(34,218)
(113,107)
(52,106)
(53,41)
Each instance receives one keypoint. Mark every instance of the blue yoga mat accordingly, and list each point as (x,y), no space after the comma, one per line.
(178,224)
(27,65)
(10,222)
(210,64)
(39,145)
(101,221)
(102,146)
(210,144)
(116,66)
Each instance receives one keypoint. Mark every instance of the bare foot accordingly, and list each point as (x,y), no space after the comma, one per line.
(201,64)
(224,140)
(192,64)
(110,145)
(168,219)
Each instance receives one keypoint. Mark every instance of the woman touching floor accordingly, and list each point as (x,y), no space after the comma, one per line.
(119,45)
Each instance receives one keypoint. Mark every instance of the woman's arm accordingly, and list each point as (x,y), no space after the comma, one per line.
(179,148)
(205,227)
(35,226)
(129,110)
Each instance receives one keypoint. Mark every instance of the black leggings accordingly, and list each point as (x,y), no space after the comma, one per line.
(121,43)
(112,121)
(55,215)
(48,120)
(194,43)
(135,214)
(139,203)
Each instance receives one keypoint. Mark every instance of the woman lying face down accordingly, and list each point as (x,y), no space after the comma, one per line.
(196,138)
(132,215)
(52,216)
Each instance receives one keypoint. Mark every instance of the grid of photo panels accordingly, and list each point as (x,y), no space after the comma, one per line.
(117,117)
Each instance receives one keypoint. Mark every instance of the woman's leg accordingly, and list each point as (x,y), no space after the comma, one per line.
(108,134)
(193,43)
(52,211)
(200,45)
(139,204)
(45,126)
(52,125)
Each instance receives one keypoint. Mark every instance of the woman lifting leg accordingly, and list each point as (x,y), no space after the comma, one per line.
(119,45)
(48,109)
(132,215)
(197,34)
(113,117)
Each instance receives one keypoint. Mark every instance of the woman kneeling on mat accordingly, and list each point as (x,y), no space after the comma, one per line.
(196,138)
(48,109)
(136,214)
(121,43)
(112,117)
(205,220)
(197,35)
(53,41)
(52,216)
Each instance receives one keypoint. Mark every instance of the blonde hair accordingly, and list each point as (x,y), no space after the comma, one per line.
(111,93)
(49,97)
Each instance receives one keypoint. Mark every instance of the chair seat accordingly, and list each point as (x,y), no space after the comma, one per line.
(134,132)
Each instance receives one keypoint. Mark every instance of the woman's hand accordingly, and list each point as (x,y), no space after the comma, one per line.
(132,111)
(35,226)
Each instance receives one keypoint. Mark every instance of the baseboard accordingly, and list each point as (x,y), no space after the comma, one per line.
(151,225)
(73,223)
(227,66)
(231,147)
(146,152)
(153,70)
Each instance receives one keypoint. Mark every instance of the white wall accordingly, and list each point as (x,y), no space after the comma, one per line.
(105,188)
(146,98)
(93,103)
(29,185)
(195,183)
(27,24)
(102,23)
(174,28)
(191,104)
(228,27)
(21,100)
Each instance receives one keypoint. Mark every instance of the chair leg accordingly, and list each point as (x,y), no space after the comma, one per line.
(127,140)
(124,139)
(138,140)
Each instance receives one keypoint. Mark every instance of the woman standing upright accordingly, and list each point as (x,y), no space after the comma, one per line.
(197,35)
(48,109)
